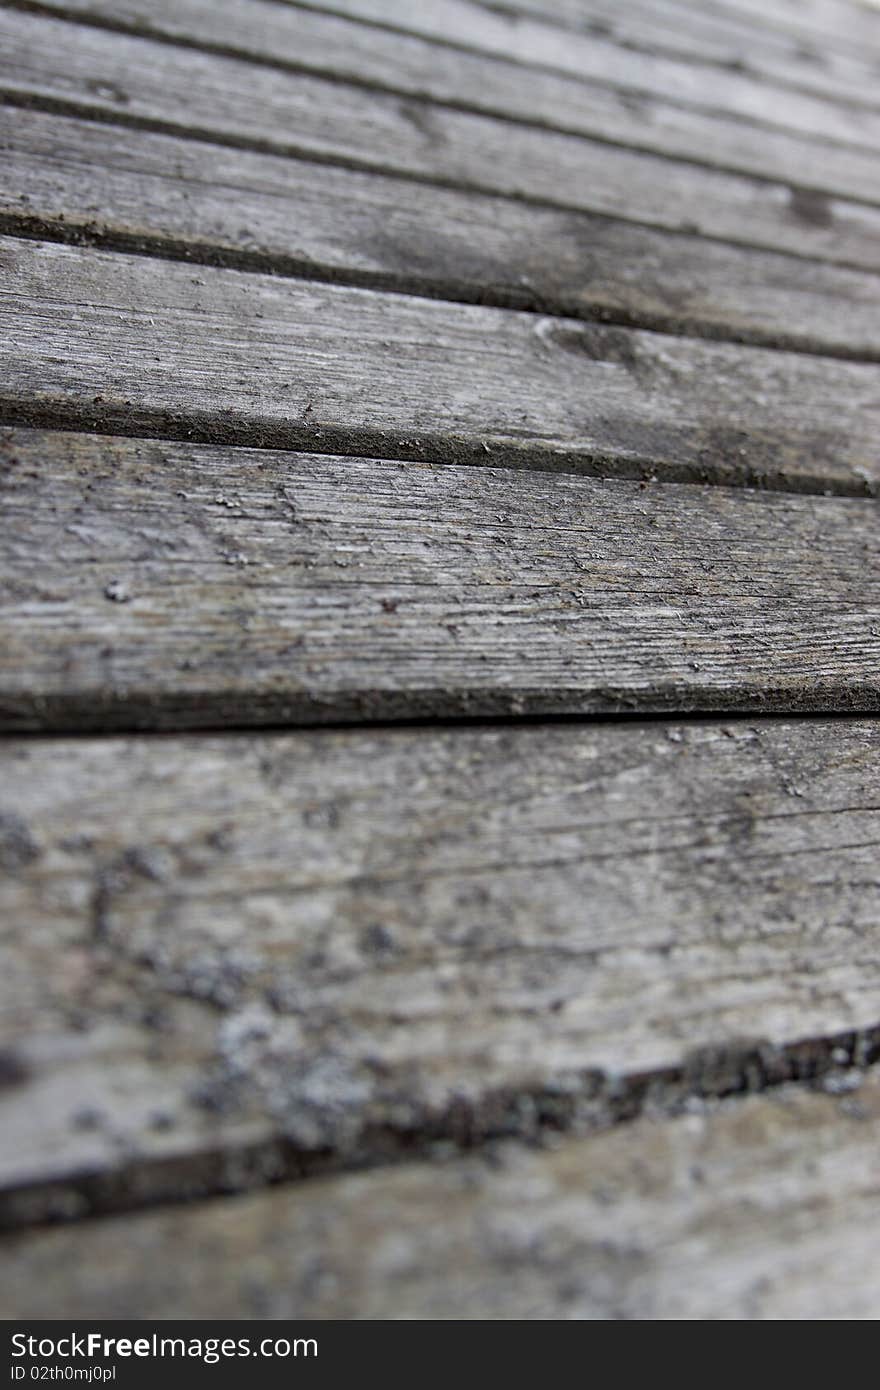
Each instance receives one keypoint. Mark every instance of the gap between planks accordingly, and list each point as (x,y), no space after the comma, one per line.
(709,40)
(153,194)
(826,31)
(233,959)
(793,221)
(445,17)
(346,126)
(327,589)
(136,345)
(612,304)
(346,49)
(763,1207)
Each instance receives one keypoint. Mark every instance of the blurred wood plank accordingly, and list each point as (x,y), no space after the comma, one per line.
(762,1208)
(713,35)
(624,94)
(493,29)
(82,70)
(839,24)
(229,958)
(844,24)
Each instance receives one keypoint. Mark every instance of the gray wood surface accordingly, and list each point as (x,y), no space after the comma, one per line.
(226,957)
(151,584)
(524,972)
(79,180)
(843,24)
(132,344)
(645,113)
(844,27)
(709,35)
(762,1208)
(481,27)
(81,69)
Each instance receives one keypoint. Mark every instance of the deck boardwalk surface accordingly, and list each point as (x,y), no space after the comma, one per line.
(497,385)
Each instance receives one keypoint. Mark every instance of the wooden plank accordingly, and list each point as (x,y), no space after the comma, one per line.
(835,23)
(229,958)
(707,35)
(186,92)
(84,181)
(845,27)
(133,345)
(645,113)
(761,1208)
(482,28)
(324,588)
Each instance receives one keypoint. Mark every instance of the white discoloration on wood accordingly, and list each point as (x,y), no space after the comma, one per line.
(197,199)
(334,942)
(188,91)
(763,1208)
(254,586)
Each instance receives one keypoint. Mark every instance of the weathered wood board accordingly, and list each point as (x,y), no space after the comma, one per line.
(371,232)
(844,27)
(646,113)
(227,957)
(759,1208)
(66,178)
(151,584)
(705,34)
(132,344)
(593,56)
(844,24)
(82,70)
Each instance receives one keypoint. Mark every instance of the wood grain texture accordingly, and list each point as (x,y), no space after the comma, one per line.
(76,179)
(645,113)
(229,957)
(711,36)
(131,344)
(80,69)
(160,585)
(491,30)
(844,27)
(840,24)
(761,1208)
